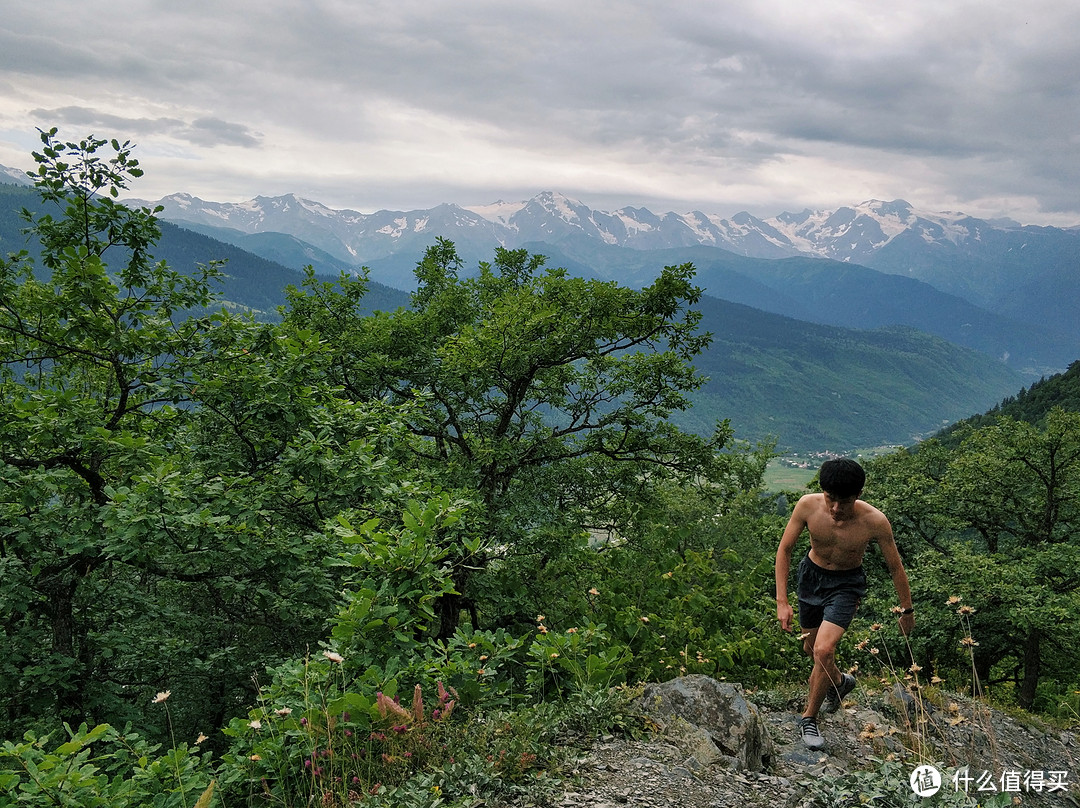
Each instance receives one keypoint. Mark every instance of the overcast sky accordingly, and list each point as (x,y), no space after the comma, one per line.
(717,105)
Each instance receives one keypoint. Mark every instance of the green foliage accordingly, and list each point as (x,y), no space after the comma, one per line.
(995,522)
(542,398)
(102,768)
(887,784)
(577,660)
(669,577)
(321,733)
(164,478)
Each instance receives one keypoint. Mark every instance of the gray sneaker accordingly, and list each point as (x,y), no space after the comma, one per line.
(811,735)
(835,697)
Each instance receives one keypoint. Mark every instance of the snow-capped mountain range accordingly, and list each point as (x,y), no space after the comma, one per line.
(1014,270)
(1025,274)
(852,234)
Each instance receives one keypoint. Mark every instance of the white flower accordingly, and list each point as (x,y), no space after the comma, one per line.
(333,657)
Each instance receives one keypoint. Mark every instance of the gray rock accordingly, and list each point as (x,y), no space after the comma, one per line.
(731,723)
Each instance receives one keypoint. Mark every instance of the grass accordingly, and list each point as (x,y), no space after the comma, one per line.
(779,477)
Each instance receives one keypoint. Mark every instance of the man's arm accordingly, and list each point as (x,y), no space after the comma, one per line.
(784,613)
(895,565)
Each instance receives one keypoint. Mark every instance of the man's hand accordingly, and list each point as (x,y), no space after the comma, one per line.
(785,614)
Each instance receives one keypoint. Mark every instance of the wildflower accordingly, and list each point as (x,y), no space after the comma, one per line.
(255,724)
(472,645)
(284,711)
(936,680)
(444,696)
(254,757)
(200,739)
(915,668)
(896,610)
(874,651)
(571,631)
(594,591)
(388,706)
(969,642)
(483,657)
(861,645)
(160,697)
(333,657)
(953,600)
(542,629)
(966,610)
(876,627)
(540,618)
(667,575)
(643,619)
(804,635)
(480,672)
(553,655)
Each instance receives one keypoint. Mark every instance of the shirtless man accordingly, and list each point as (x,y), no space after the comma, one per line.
(831,579)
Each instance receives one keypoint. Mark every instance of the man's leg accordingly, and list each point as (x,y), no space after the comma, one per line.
(821,644)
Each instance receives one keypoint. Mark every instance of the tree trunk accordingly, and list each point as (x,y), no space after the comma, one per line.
(448,608)
(70,690)
(1025,696)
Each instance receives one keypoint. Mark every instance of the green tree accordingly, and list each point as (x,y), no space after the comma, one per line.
(164,478)
(542,396)
(86,377)
(1000,515)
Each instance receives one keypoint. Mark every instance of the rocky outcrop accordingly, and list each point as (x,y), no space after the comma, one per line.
(713,718)
(716,746)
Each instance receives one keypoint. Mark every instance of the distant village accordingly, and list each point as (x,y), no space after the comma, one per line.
(813,460)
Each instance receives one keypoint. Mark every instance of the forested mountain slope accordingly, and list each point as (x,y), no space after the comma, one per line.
(810,386)
(1031,404)
(817,387)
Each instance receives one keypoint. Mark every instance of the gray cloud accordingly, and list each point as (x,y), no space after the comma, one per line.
(201,132)
(762,104)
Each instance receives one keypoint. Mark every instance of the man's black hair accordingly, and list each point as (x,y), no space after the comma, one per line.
(842,477)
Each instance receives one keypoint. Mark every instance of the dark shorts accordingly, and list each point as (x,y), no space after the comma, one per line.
(828,595)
